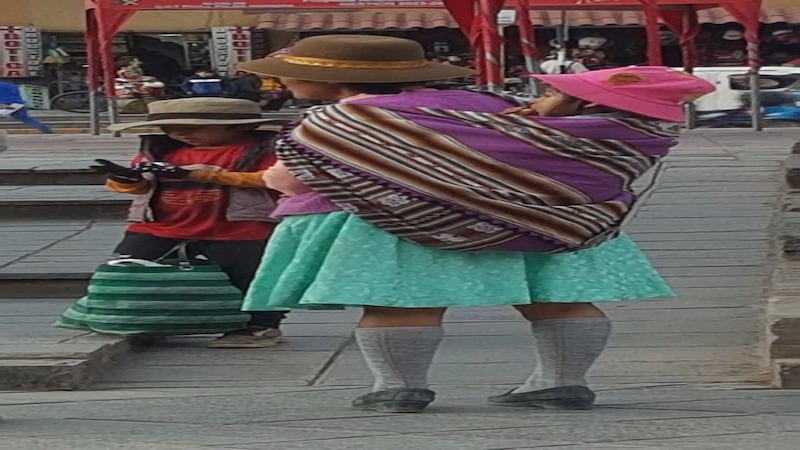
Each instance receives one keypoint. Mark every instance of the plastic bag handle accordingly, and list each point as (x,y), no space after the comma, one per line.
(183,254)
(141,262)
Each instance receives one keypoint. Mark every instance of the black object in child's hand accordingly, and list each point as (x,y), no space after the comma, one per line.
(161,168)
(116,172)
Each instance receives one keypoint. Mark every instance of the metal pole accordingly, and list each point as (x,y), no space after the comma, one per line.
(501,31)
(113,113)
(94,122)
(562,37)
(753,64)
(689,56)
(527,44)
(755,101)
(491,47)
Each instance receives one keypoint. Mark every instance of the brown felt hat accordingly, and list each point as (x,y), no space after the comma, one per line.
(349,58)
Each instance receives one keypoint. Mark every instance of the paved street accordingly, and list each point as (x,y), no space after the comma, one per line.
(683,373)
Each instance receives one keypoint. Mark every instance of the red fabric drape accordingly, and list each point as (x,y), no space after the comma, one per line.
(102,24)
(90,36)
(653,41)
(746,12)
(463,12)
(526,36)
(486,32)
(683,22)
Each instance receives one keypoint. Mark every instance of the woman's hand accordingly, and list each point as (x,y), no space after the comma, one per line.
(280,179)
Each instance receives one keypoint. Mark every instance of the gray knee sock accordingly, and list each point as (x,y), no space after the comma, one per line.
(399,357)
(566,349)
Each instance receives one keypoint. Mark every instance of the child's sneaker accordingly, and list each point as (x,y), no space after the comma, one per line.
(248,339)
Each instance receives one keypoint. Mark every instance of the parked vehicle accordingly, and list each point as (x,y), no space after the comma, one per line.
(729,105)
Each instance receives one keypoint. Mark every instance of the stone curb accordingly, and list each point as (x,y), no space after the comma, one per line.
(29,285)
(783,306)
(49,177)
(68,365)
(65,209)
(20,285)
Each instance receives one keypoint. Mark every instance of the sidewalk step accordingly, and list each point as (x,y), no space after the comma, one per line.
(65,202)
(53,258)
(27,285)
(29,370)
(37,177)
(35,355)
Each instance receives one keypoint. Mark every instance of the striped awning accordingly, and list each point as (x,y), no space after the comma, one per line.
(417,19)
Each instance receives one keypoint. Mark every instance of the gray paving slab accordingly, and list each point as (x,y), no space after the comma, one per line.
(36,443)
(132,433)
(458,420)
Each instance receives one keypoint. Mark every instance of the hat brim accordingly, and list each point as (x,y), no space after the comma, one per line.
(576,86)
(277,67)
(162,122)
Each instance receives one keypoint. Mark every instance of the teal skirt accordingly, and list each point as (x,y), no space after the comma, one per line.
(337,259)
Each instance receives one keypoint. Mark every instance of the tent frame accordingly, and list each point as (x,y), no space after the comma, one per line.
(680,16)
(476,18)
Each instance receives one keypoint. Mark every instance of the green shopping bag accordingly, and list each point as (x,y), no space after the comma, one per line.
(162,297)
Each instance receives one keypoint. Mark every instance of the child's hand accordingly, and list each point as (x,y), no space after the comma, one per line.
(116,172)
(280,179)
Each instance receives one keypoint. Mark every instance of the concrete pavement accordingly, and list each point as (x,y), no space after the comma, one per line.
(683,373)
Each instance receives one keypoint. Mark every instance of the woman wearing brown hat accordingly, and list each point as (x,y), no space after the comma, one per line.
(406,200)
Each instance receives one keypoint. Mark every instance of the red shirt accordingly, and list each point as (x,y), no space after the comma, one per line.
(196,210)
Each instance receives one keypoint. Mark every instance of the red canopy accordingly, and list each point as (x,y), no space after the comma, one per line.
(104,18)
(478,19)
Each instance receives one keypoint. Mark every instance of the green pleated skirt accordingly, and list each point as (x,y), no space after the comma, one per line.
(337,259)
(136,300)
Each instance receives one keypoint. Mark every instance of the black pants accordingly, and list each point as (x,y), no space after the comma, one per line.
(238,259)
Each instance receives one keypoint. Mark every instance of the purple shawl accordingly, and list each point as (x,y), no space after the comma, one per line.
(457,175)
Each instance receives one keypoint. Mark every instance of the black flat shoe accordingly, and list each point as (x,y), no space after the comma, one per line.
(562,397)
(396,400)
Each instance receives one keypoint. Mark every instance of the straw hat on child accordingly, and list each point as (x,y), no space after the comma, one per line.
(200,111)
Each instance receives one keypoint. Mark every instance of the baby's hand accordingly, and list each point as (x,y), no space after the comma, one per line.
(280,179)
(527,110)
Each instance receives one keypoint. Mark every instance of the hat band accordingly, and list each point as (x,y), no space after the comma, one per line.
(217,116)
(351,64)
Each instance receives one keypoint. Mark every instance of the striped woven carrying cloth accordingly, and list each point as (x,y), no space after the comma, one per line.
(467,181)
(148,299)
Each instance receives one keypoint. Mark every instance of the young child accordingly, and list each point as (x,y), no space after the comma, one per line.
(407,202)
(647,92)
(201,182)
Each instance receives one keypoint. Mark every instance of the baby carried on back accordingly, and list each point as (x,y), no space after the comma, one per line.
(467,180)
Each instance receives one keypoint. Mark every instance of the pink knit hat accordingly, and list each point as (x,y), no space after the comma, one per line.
(652,91)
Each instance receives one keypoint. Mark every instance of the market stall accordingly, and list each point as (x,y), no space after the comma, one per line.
(476,18)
